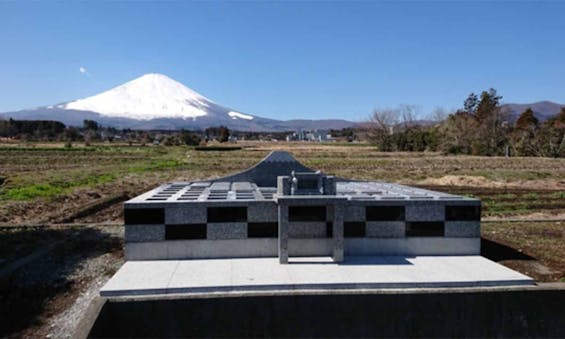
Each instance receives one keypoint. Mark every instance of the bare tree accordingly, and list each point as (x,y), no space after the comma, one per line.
(383,123)
(439,114)
(384,118)
(380,126)
(407,114)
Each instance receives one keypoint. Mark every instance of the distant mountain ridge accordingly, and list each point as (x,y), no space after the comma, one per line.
(155,101)
(543,110)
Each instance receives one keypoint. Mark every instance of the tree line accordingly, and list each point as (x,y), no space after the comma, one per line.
(91,131)
(481,127)
(32,129)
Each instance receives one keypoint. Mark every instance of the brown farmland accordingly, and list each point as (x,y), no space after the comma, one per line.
(60,211)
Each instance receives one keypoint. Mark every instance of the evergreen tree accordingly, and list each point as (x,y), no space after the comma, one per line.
(490,137)
(524,139)
(527,120)
(470,104)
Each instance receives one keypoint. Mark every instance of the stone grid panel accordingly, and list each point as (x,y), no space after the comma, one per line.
(262,212)
(307,229)
(354,213)
(144,233)
(185,214)
(385,229)
(463,229)
(425,212)
(236,230)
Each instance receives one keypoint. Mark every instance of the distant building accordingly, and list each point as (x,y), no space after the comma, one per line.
(313,136)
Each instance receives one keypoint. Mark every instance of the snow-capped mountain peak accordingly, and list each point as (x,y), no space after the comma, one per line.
(155,101)
(148,97)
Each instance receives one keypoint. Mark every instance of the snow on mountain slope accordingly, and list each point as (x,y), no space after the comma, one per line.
(237,115)
(150,96)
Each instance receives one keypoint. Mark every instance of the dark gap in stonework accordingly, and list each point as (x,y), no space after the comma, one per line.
(329,229)
(227,214)
(462,213)
(425,229)
(262,230)
(307,213)
(307,184)
(385,213)
(354,229)
(187,231)
(144,216)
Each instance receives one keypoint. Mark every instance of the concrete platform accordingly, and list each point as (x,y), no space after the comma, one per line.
(139,278)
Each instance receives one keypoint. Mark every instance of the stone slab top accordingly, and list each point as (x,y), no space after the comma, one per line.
(167,277)
(209,192)
(258,183)
(205,191)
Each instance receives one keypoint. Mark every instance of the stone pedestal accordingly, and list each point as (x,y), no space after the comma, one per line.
(283,234)
(337,232)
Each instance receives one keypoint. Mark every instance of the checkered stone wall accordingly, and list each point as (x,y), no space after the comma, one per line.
(197,222)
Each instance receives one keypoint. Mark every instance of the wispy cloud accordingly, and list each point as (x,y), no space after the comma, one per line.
(84,71)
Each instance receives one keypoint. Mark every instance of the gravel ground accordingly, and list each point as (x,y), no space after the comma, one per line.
(64,324)
(48,297)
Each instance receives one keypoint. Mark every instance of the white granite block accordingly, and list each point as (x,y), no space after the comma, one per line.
(354,213)
(307,229)
(180,214)
(231,230)
(463,229)
(141,233)
(262,212)
(385,229)
(425,212)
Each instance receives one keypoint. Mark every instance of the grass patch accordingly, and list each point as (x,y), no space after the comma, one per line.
(531,196)
(558,195)
(157,165)
(49,190)
(43,190)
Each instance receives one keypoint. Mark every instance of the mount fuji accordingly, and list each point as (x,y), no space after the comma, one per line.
(155,101)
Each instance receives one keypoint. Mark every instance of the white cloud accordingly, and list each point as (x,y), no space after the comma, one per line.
(84,71)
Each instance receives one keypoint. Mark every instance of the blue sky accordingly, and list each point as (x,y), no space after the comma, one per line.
(287,60)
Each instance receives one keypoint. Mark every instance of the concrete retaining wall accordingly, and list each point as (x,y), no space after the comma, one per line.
(511,313)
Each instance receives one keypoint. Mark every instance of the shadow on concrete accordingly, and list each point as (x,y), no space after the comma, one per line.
(26,292)
(498,252)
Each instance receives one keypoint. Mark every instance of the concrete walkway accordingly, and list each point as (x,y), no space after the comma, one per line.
(266,274)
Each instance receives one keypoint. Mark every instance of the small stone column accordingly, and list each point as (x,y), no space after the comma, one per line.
(329,185)
(283,185)
(338,211)
(283,233)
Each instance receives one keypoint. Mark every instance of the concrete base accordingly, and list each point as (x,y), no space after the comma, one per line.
(268,247)
(266,274)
